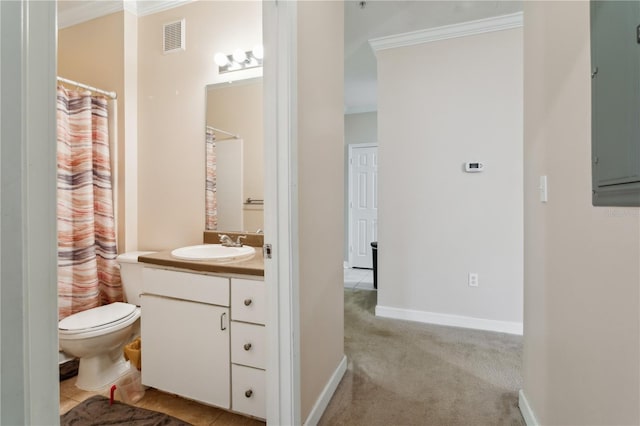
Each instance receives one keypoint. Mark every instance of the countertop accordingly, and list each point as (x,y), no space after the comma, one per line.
(253,266)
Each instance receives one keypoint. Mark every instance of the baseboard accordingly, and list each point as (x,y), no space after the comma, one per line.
(325,396)
(450,320)
(525,409)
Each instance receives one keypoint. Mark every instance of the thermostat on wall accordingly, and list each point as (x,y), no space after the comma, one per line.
(473,167)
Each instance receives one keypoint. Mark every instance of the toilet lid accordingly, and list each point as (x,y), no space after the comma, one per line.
(97,317)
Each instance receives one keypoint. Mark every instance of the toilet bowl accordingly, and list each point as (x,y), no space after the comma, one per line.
(97,336)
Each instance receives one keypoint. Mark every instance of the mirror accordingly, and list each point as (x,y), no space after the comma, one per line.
(234,156)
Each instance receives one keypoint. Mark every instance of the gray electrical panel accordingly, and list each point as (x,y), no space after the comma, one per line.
(615,102)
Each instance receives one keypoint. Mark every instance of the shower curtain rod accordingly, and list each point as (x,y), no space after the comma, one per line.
(233,135)
(111,95)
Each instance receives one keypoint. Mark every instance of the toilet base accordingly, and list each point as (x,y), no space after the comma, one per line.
(98,372)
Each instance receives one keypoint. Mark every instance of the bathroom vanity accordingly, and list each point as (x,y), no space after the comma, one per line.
(203,331)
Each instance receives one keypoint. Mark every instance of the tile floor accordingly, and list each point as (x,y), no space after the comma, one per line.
(187,410)
(362,279)
(183,409)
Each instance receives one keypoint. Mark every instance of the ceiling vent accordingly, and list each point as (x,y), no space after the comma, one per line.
(173,37)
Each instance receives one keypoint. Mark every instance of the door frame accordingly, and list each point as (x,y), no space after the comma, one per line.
(29,240)
(351,147)
(281,212)
(28,261)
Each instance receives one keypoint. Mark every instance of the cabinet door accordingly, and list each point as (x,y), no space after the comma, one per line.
(185,349)
(615,97)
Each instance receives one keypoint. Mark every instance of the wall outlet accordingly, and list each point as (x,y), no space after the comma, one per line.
(473,279)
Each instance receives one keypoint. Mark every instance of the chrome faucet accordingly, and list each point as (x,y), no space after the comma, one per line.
(227,241)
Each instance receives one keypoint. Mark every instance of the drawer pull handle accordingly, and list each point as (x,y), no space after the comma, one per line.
(247,302)
(248,393)
(247,346)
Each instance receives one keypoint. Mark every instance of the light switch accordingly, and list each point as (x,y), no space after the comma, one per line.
(544,194)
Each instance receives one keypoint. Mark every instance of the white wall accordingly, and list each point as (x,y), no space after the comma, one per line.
(441,104)
(582,263)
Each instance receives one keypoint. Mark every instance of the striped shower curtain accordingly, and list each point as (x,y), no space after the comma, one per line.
(211,203)
(88,275)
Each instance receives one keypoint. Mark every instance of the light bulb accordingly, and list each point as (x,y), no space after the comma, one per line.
(239,56)
(221,59)
(258,51)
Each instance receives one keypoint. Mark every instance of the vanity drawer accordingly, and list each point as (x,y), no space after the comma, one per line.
(186,285)
(248,301)
(248,387)
(248,344)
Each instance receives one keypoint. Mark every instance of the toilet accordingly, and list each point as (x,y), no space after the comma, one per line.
(97,336)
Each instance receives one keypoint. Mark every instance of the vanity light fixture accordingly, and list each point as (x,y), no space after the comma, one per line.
(258,51)
(239,60)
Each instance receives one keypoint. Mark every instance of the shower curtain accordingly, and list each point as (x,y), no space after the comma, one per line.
(211,204)
(88,275)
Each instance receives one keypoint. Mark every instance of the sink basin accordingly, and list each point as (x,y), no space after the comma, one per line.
(216,252)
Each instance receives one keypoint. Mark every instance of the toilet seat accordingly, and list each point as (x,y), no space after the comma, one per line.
(96,321)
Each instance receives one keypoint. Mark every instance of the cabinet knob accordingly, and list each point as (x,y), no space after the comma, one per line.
(247,346)
(247,302)
(248,393)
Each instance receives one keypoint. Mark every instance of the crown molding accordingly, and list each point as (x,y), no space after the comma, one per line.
(462,29)
(87,10)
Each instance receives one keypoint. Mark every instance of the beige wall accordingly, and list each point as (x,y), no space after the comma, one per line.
(93,53)
(172,114)
(320,194)
(582,263)
(130,151)
(238,109)
(440,105)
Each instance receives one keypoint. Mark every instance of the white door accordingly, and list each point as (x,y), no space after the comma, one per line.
(363,203)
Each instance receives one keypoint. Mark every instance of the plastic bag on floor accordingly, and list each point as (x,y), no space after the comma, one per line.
(129,387)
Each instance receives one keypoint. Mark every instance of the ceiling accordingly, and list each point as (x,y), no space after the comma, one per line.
(72,12)
(391,17)
(377,18)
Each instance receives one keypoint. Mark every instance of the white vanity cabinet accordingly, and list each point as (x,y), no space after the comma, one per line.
(203,337)
(185,334)
(248,347)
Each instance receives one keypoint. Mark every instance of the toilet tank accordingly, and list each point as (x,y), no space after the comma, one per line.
(131,275)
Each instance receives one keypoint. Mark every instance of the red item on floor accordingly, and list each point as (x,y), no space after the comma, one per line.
(113,390)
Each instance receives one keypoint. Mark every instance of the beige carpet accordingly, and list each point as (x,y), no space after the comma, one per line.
(407,373)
